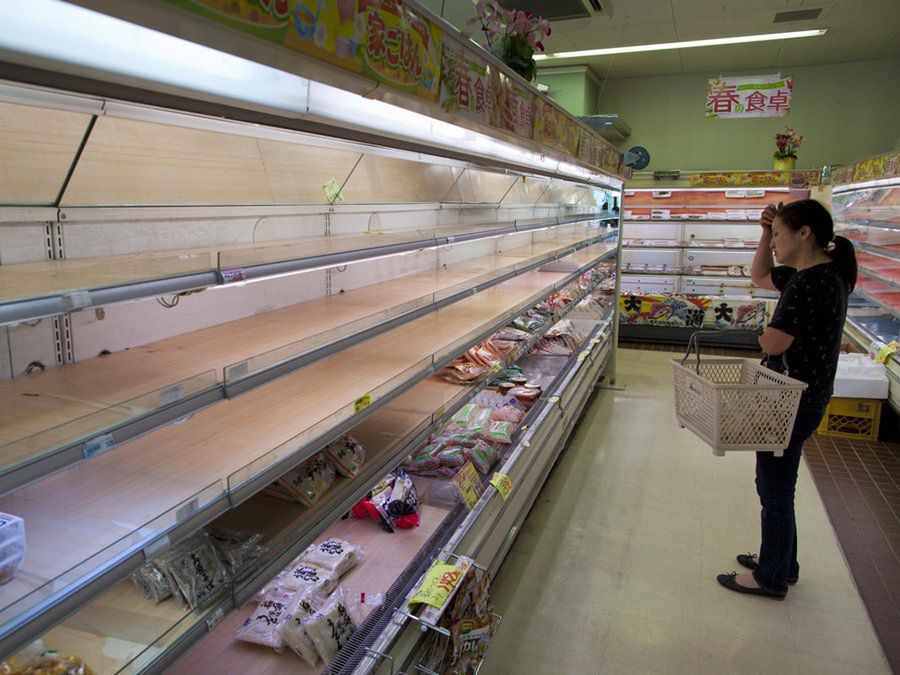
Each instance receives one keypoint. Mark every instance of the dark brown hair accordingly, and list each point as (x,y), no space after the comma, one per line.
(813,215)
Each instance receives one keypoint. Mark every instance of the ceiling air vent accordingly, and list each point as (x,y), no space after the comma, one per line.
(797,15)
(554,10)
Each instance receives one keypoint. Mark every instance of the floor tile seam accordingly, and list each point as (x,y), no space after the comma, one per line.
(884,656)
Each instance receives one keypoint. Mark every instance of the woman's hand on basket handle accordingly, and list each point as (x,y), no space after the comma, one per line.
(763,262)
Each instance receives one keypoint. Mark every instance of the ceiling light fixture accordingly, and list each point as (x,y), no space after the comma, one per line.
(684,44)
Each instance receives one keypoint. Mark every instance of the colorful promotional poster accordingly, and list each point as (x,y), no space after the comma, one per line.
(570,134)
(732,313)
(548,125)
(663,310)
(611,158)
(716,179)
(513,106)
(744,97)
(466,83)
(382,39)
(882,166)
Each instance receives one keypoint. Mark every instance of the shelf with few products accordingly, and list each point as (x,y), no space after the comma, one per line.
(184,474)
(868,214)
(151,635)
(56,417)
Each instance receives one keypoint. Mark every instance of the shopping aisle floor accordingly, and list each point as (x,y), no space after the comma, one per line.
(615,568)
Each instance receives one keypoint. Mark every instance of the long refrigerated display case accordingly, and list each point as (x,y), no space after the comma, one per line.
(227,337)
(867,212)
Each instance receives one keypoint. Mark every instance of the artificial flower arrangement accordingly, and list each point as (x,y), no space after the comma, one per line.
(512,35)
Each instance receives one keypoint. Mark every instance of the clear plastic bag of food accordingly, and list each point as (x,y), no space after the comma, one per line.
(508,413)
(347,455)
(334,554)
(453,457)
(12,546)
(239,550)
(195,571)
(293,633)
(309,481)
(304,577)
(482,455)
(499,432)
(151,582)
(262,627)
(403,505)
(331,627)
(46,663)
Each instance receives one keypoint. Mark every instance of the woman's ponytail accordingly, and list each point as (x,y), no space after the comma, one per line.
(844,256)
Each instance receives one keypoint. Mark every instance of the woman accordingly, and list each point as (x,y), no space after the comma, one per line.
(816,274)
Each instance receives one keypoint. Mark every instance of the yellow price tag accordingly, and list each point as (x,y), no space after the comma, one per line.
(333,191)
(362,403)
(583,355)
(439,582)
(596,341)
(496,367)
(468,484)
(502,483)
(886,352)
(554,399)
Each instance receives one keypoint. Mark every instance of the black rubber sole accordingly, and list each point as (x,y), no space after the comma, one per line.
(728,581)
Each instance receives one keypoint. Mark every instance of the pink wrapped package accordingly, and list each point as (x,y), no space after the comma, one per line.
(482,455)
(499,432)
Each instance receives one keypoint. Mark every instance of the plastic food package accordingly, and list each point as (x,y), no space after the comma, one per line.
(12,546)
(456,436)
(331,627)
(347,455)
(508,413)
(151,582)
(454,457)
(239,550)
(308,482)
(403,507)
(195,571)
(499,432)
(294,635)
(470,638)
(334,554)
(262,628)
(306,578)
(482,455)
(46,663)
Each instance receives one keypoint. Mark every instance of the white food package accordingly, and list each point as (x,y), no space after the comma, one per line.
(331,627)
(304,577)
(293,632)
(858,376)
(12,546)
(262,628)
(334,554)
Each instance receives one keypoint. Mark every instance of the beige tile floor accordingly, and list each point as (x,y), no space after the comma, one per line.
(614,569)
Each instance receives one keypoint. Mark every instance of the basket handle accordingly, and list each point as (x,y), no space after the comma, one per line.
(694,342)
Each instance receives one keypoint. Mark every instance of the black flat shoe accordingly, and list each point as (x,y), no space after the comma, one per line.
(729,581)
(748,560)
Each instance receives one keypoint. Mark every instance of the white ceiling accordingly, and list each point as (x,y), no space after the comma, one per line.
(858,30)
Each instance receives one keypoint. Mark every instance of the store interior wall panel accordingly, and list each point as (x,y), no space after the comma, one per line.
(449,255)
(128,325)
(297,173)
(383,219)
(350,277)
(530,190)
(37,148)
(27,343)
(22,242)
(488,186)
(133,162)
(379,179)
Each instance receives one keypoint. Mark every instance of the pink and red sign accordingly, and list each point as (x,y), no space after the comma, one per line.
(754,96)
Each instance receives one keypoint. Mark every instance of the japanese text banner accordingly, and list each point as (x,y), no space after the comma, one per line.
(757,96)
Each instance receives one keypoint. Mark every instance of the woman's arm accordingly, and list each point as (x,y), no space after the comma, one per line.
(775,341)
(763,262)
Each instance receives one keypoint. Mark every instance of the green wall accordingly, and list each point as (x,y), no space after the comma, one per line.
(847,111)
(567,89)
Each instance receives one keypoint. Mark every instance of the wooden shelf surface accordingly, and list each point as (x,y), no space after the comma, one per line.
(77,512)
(92,395)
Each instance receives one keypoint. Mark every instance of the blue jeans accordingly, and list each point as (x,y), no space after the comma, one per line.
(776,479)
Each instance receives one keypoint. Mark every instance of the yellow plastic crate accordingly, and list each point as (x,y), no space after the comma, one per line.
(852,418)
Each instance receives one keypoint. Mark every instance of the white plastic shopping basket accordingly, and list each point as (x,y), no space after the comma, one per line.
(735,404)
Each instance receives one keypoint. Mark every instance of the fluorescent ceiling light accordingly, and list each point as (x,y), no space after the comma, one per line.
(685,44)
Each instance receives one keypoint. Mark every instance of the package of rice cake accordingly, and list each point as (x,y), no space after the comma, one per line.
(309,481)
(294,635)
(482,455)
(331,627)
(263,626)
(195,572)
(347,455)
(334,554)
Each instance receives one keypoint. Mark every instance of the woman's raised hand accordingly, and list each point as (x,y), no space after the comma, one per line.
(768,215)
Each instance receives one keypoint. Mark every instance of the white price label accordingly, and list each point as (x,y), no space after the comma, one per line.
(78,299)
(187,510)
(156,547)
(99,445)
(215,618)
(171,394)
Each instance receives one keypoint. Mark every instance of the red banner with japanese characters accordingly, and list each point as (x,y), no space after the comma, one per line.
(753,96)
(466,84)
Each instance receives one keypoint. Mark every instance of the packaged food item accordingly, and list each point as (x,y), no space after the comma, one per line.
(151,582)
(308,482)
(526,396)
(508,413)
(519,381)
(294,634)
(482,455)
(307,578)
(46,663)
(504,387)
(334,554)
(12,546)
(499,432)
(403,507)
(453,457)
(347,455)
(470,416)
(239,550)
(455,436)
(470,638)
(263,627)
(195,572)
(331,627)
